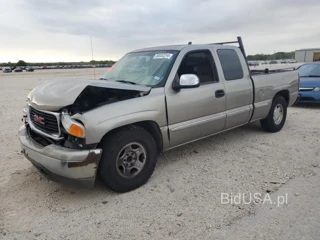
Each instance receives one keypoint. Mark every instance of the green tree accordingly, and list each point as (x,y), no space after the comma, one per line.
(21,63)
(277,55)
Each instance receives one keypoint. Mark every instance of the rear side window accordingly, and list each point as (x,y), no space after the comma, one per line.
(231,65)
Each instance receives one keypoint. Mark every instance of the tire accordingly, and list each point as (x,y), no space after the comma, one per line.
(126,143)
(271,124)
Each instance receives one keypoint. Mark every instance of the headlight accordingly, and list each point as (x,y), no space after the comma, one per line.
(71,126)
(316,89)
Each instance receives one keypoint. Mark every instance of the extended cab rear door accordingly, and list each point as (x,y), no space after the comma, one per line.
(196,112)
(233,70)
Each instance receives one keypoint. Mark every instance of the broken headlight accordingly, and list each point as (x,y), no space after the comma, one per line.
(73,127)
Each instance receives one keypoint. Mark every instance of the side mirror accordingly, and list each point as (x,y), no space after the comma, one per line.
(186,81)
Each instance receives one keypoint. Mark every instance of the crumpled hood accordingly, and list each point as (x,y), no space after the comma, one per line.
(56,94)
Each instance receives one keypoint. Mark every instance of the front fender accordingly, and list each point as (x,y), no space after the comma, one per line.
(102,120)
(110,124)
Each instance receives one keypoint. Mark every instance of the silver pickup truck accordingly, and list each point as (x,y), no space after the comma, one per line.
(151,100)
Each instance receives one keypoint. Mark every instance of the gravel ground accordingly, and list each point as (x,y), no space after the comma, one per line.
(182,200)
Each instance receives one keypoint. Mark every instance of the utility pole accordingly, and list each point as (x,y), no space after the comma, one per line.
(94,69)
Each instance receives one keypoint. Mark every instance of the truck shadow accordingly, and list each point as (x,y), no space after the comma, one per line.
(236,135)
(307,105)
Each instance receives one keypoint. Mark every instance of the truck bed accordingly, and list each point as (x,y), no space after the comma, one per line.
(269,71)
(266,85)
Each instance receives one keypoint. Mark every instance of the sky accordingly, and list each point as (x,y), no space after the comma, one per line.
(60,30)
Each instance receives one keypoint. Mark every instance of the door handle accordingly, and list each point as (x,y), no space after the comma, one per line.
(220,93)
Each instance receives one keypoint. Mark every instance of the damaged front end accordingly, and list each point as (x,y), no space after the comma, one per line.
(57,163)
(93,96)
(55,141)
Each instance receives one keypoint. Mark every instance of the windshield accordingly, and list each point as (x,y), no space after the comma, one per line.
(149,68)
(309,70)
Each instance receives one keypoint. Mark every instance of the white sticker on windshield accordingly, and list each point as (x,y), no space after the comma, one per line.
(163,55)
(156,78)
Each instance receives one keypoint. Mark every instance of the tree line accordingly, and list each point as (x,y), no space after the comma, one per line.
(257,57)
(22,63)
(275,56)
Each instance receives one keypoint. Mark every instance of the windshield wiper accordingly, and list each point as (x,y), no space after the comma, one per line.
(122,81)
(125,81)
(311,76)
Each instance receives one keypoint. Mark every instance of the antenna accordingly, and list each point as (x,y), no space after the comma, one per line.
(94,69)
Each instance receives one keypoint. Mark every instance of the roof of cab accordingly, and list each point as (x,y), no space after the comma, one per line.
(170,47)
(180,47)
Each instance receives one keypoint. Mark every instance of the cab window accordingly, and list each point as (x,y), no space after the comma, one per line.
(201,64)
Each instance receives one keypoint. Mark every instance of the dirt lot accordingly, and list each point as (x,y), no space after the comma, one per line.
(182,200)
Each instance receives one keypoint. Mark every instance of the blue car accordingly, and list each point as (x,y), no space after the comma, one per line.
(309,90)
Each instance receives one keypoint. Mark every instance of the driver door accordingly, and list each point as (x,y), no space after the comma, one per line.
(195,113)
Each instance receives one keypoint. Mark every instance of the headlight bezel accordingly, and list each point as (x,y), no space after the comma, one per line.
(25,109)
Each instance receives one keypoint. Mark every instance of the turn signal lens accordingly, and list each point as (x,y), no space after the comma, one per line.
(73,127)
(76,131)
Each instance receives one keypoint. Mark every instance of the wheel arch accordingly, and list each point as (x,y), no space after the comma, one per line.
(285,94)
(150,126)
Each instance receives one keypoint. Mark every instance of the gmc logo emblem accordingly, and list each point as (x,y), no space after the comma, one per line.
(38,119)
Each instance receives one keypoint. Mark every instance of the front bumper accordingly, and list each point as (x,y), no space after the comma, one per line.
(65,165)
(309,96)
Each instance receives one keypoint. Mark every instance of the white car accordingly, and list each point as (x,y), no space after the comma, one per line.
(6,70)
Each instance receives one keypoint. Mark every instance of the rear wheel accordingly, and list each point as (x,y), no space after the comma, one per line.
(277,115)
(128,159)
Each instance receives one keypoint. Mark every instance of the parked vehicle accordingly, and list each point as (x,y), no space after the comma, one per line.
(6,70)
(273,62)
(309,91)
(29,69)
(18,69)
(252,63)
(114,128)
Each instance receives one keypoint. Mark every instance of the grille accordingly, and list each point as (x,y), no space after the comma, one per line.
(44,121)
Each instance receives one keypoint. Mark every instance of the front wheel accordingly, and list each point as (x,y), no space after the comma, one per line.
(276,117)
(128,159)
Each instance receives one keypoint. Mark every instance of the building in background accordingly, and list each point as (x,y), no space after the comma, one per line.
(308,55)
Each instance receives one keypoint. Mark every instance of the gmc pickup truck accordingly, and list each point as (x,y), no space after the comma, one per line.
(151,100)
